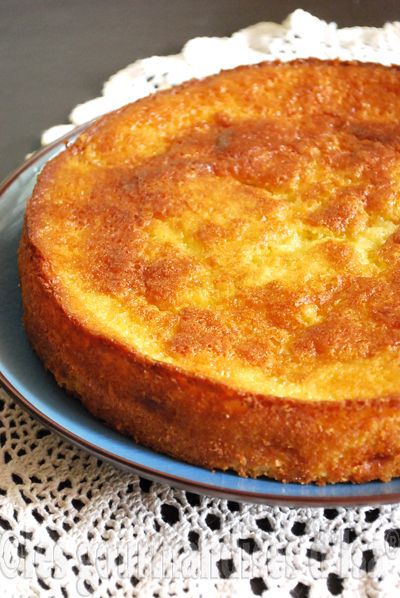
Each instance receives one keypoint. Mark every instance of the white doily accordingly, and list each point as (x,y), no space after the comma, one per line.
(71,525)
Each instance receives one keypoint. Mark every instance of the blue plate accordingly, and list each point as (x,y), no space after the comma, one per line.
(23,375)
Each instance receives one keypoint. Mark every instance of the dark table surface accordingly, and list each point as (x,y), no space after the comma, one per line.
(55,54)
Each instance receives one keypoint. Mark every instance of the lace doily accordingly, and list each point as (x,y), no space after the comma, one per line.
(71,525)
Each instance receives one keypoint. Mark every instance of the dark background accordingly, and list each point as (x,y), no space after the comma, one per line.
(55,54)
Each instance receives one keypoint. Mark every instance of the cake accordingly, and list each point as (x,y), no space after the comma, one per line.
(214,271)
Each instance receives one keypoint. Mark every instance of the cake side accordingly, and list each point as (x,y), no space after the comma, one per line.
(201,421)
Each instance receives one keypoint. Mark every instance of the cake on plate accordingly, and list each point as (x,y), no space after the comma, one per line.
(214,270)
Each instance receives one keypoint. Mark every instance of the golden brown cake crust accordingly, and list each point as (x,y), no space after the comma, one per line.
(146,290)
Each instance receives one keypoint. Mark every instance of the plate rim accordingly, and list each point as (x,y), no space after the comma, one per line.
(150,472)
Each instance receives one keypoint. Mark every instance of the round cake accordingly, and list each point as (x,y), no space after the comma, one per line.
(215,271)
